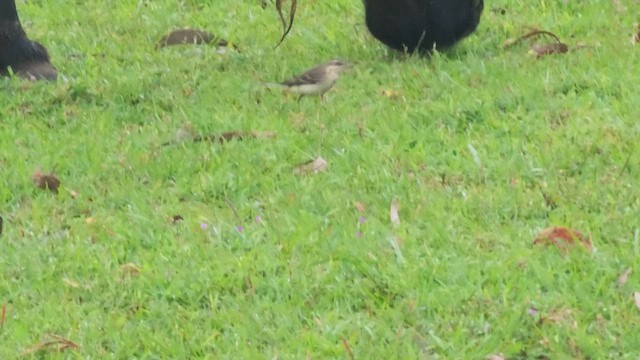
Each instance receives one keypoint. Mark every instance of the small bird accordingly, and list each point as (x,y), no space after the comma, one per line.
(316,81)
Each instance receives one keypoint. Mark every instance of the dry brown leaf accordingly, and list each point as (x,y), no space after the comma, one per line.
(292,15)
(394,208)
(46,181)
(313,166)
(130,269)
(549,49)
(189,36)
(360,207)
(563,238)
(56,343)
(636,298)
(624,277)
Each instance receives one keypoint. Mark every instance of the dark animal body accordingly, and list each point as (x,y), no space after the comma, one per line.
(26,58)
(408,25)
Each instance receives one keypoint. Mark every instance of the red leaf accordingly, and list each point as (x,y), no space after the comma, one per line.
(563,238)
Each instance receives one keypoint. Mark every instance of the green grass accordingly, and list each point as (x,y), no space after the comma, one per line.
(462,281)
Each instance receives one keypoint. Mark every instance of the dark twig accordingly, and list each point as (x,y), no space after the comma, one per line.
(346,346)
(532,33)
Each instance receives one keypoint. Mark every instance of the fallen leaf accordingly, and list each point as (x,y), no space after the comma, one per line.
(313,166)
(292,15)
(394,208)
(46,181)
(549,49)
(624,277)
(562,237)
(130,269)
(636,298)
(359,206)
(57,343)
(189,36)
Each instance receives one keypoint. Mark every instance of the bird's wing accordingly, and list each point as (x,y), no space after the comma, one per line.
(312,76)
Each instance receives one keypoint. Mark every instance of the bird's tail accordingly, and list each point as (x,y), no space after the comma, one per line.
(272,85)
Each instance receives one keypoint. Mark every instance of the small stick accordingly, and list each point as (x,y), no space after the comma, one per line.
(346,345)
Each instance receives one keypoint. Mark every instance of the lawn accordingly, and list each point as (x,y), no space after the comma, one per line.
(225,251)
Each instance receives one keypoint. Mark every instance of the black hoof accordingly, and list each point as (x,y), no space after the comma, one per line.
(408,25)
(26,58)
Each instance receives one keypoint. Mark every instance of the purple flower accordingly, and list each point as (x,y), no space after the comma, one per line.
(239,228)
(204,226)
(532,311)
(362,219)
(259,219)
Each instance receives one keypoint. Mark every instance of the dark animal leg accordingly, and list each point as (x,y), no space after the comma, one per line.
(26,58)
